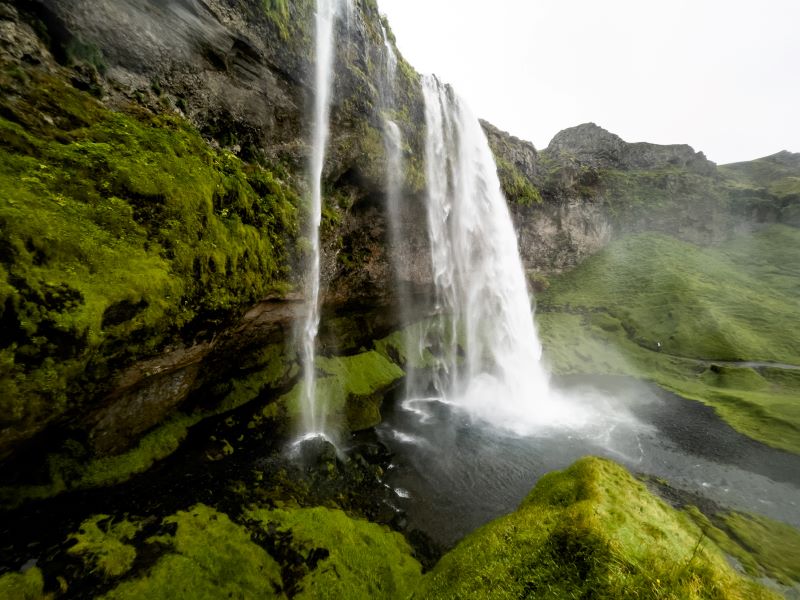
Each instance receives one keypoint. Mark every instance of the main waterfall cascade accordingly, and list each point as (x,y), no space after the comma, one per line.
(488,363)
(486,357)
(328,11)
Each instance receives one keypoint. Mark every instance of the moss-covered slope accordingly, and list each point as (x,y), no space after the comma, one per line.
(590,531)
(121,232)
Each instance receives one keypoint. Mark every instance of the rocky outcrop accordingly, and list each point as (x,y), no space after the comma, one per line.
(519,153)
(595,147)
(594,186)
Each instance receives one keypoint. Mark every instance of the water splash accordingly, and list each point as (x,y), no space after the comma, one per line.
(313,410)
(487,359)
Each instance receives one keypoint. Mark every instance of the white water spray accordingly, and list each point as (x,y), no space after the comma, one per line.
(488,361)
(325,20)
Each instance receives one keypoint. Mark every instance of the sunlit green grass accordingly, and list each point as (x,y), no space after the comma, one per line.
(590,531)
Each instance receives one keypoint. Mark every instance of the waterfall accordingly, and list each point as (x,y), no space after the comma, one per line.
(391,70)
(487,350)
(395,176)
(393,148)
(313,409)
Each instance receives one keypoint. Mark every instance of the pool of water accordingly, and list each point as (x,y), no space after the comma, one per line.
(453,474)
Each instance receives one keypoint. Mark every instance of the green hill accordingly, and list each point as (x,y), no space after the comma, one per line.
(709,308)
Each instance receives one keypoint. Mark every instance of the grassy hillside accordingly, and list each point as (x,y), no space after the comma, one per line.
(779,174)
(706,307)
(589,531)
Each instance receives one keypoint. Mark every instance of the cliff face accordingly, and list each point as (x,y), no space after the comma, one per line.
(594,187)
(241,73)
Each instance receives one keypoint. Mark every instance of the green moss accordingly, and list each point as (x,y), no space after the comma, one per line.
(103,547)
(209,557)
(70,473)
(292,20)
(23,586)
(326,553)
(358,559)
(406,347)
(589,531)
(271,366)
(774,546)
(119,230)
(267,370)
(763,547)
(159,443)
(516,186)
(351,387)
(732,302)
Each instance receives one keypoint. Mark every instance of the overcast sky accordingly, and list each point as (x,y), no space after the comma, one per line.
(720,75)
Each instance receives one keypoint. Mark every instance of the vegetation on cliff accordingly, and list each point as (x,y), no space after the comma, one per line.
(122,231)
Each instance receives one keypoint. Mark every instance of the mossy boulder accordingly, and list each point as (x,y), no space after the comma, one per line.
(23,586)
(323,553)
(589,531)
(103,545)
(351,388)
(351,558)
(208,557)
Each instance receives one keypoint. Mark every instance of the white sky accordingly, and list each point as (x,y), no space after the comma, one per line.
(720,75)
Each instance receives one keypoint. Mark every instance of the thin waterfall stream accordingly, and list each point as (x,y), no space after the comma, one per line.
(313,413)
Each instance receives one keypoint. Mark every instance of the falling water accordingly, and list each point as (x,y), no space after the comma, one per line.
(488,351)
(395,172)
(327,12)
(393,144)
(391,70)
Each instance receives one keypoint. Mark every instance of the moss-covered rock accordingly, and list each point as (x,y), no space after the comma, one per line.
(589,531)
(208,557)
(23,586)
(305,553)
(351,558)
(103,545)
(350,387)
(122,231)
